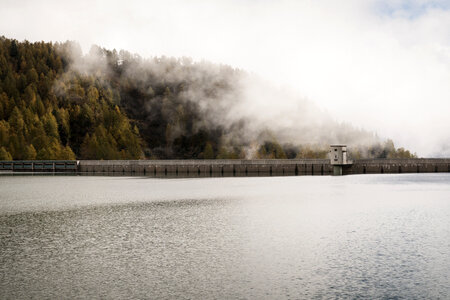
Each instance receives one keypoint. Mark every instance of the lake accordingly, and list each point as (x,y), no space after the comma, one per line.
(361,236)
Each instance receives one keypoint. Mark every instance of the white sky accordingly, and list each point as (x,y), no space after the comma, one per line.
(380,65)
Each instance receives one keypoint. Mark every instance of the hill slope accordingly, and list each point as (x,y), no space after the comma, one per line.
(56,103)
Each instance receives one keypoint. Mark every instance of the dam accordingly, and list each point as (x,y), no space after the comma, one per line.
(230,168)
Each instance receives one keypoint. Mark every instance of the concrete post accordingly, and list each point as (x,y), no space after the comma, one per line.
(337,170)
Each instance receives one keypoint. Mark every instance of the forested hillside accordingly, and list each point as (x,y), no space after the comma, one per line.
(56,103)
(37,122)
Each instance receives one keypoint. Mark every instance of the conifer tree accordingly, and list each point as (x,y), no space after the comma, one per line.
(208,152)
(4,154)
(30,152)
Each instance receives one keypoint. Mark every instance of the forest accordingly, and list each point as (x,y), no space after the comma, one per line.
(58,104)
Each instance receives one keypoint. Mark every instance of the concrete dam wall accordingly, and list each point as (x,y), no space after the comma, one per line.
(416,165)
(207,168)
(227,168)
(270,167)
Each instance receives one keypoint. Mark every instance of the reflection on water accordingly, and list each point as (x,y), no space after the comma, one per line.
(372,236)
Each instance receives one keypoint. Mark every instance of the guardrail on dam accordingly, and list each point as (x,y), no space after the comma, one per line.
(227,168)
(39,166)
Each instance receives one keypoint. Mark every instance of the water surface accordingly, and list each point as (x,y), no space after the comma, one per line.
(366,236)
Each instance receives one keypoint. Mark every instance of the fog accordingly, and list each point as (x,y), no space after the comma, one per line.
(383,66)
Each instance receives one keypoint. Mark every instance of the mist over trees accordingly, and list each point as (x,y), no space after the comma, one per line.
(56,103)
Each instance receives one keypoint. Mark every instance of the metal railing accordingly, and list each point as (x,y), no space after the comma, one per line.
(40,165)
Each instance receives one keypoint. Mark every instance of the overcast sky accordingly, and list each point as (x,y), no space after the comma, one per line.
(380,65)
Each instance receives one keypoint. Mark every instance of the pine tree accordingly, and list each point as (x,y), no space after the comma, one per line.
(4,154)
(16,120)
(13,49)
(50,125)
(223,153)
(30,152)
(32,76)
(208,152)
(67,154)
(4,133)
